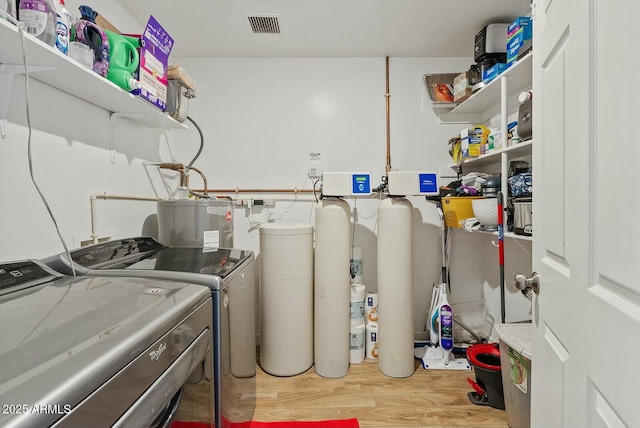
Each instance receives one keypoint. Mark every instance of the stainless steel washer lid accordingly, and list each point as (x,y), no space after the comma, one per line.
(144,257)
(63,339)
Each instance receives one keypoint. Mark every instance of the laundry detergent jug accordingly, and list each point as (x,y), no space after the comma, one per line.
(123,60)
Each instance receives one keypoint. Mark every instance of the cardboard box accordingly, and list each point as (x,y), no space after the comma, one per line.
(493,72)
(103,23)
(522,24)
(154,62)
(461,87)
(519,35)
(465,139)
(457,209)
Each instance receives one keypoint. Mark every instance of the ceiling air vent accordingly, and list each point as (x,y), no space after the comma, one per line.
(264,24)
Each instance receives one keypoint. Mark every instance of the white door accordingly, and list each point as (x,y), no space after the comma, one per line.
(586,153)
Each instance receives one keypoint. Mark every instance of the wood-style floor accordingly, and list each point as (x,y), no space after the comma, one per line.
(427,399)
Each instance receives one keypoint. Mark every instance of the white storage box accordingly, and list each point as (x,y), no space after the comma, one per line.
(515,363)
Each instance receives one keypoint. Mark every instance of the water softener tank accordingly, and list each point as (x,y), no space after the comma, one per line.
(196,223)
(332,291)
(395,306)
(286,298)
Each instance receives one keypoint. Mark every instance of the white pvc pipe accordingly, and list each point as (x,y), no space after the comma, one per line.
(105,196)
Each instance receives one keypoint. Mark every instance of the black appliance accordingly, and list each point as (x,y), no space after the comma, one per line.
(491,43)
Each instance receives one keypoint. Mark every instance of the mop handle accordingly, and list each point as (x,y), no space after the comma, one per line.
(500,230)
(501,254)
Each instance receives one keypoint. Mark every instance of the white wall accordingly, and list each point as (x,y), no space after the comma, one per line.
(260,119)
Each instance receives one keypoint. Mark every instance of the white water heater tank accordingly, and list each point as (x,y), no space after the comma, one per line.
(395,294)
(332,291)
(286,298)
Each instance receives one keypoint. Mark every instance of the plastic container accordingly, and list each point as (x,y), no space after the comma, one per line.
(81,53)
(486,361)
(123,60)
(8,8)
(39,18)
(486,211)
(457,209)
(286,303)
(515,360)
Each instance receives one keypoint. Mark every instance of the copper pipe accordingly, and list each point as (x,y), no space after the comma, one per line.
(184,180)
(388,96)
(255,190)
(204,179)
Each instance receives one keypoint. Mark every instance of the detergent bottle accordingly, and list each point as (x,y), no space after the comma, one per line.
(64,21)
(123,60)
(39,18)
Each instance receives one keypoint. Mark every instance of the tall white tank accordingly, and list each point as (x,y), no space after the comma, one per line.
(395,294)
(286,301)
(332,291)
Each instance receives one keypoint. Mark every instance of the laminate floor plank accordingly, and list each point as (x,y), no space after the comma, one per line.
(426,399)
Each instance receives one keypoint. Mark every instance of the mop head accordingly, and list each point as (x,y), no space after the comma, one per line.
(434,360)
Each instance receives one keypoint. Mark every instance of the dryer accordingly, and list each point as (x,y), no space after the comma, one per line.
(100,352)
(231,278)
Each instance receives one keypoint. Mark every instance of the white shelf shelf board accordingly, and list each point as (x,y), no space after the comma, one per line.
(519,76)
(52,67)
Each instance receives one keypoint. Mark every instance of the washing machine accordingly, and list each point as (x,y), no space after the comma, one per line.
(98,351)
(230,276)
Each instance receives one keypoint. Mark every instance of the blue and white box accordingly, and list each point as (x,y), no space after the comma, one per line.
(519,35)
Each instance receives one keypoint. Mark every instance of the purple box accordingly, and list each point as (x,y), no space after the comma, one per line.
(154,62)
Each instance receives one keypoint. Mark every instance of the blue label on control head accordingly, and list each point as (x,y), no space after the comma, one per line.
(361,184)
(428,183)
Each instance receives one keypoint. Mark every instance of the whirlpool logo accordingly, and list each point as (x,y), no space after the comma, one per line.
(155,355)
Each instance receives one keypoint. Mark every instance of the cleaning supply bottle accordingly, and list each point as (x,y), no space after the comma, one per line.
(446,326)
(64,21)
(39,18)
(434,315)
(123,60)
(8,8)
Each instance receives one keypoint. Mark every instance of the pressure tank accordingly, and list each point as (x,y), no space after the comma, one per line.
(286,304)
(395,294)
(332,292)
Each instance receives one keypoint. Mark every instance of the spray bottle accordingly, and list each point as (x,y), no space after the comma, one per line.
(446,326)
(64,21)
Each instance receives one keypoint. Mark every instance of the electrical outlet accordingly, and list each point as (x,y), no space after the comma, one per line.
(314,168)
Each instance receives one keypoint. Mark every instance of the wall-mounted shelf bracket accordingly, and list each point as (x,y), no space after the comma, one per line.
(112,131)
(7,71)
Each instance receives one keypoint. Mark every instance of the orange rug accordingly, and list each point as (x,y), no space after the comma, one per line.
(340,423)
